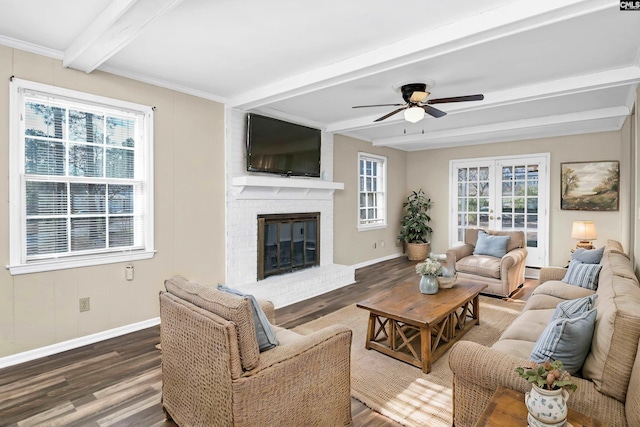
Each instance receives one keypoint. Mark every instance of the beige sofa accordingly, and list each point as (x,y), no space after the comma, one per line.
(609,389)
(501,275)
(214,375)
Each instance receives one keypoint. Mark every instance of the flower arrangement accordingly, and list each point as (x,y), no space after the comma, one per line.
(430,267)
(548,376)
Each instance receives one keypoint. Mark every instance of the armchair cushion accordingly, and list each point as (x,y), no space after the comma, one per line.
(491,245)
(264,332)
(481,265)
(583,275)
(567,340)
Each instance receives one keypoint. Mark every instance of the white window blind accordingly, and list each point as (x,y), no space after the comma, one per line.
(81,187)
(372,191)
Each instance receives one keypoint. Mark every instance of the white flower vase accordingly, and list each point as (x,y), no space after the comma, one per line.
(428,285)
(547,408)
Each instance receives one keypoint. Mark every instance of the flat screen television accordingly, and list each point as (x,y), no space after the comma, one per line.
(283,148)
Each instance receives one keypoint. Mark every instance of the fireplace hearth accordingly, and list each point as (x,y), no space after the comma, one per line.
(287,242)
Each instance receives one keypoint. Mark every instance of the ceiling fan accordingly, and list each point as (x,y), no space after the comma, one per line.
(416,103)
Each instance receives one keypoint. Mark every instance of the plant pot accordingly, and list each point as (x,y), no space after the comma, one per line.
(429,285)
(547,408)
(418,251)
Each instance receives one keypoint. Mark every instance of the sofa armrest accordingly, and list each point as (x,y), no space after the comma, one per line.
(458,252)
(269,310)
(284,388)
(479,370)
(512,258)
(552,273)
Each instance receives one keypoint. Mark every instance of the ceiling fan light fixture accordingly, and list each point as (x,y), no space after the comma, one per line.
(414,114)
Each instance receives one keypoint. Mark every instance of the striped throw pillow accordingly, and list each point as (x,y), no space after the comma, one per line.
(575,307)
(583,275)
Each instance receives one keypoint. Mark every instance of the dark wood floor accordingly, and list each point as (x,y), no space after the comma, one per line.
(118,382)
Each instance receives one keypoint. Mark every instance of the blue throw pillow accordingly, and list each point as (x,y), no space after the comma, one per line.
(588,256)
(264,332)
(566,340)
(583,275)
(575,307)
(491,245)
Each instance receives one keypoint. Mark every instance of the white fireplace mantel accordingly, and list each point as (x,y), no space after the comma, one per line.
(280,188)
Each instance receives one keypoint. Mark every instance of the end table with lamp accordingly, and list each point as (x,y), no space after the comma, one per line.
(585,233)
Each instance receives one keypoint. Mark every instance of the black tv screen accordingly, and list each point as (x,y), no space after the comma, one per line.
(283,148)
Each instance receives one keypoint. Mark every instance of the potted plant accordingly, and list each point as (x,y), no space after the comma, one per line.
(414,227)
(547,401)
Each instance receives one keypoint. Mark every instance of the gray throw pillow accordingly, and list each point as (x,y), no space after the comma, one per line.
(588,256)
(583,275)
(491,245)
(575,307)
(264,332)
(566,340)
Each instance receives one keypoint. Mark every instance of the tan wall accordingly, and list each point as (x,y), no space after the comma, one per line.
(429,170)
(42,309)
(350,245)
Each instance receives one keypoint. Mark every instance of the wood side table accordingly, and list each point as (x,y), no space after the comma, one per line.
(507,409)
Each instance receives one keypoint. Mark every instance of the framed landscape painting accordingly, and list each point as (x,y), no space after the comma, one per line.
(590,186)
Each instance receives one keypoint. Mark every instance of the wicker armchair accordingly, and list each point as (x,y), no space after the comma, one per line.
(502,275)
(214,374)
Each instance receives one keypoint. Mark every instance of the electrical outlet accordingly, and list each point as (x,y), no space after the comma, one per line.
(85,304)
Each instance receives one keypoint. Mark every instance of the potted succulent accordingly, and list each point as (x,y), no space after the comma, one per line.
(414,227)
(547,400)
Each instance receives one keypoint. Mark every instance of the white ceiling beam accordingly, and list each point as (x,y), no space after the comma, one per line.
(549,89)
(117,25)
(513,126)
(513,18)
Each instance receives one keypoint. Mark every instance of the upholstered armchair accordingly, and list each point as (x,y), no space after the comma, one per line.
(215,375)
(493,261)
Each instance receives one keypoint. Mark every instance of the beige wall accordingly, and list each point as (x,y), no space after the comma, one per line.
(350,245)
(42,309)
(429,170)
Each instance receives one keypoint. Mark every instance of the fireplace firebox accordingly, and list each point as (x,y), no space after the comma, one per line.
(287,242)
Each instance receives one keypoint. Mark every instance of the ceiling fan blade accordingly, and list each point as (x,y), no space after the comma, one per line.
(418,96)
(432,111)
(478,97)
(378,105)
(386,116)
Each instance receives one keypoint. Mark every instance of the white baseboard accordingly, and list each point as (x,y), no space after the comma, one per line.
(377,260)
(37,353)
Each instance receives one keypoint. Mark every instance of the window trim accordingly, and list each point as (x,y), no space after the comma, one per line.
(17,209)
(383,160)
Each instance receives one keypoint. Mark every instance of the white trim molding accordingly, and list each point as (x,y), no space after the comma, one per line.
(37,353)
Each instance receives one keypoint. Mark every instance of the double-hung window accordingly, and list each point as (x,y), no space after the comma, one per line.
(81,190)
(372,191)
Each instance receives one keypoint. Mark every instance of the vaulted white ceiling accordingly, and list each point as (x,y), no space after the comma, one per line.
(545,67)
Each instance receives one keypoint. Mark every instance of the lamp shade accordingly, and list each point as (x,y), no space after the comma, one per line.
(414,114)
(584,230)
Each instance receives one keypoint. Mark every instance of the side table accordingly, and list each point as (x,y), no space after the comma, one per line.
(507,408)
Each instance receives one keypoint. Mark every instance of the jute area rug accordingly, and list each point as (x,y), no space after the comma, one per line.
(401,391)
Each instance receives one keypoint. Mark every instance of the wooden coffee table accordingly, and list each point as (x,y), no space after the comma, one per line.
(417,328)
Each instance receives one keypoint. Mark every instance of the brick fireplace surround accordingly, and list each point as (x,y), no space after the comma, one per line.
(250,195)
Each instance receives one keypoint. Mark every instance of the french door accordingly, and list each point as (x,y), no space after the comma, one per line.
(505,193)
